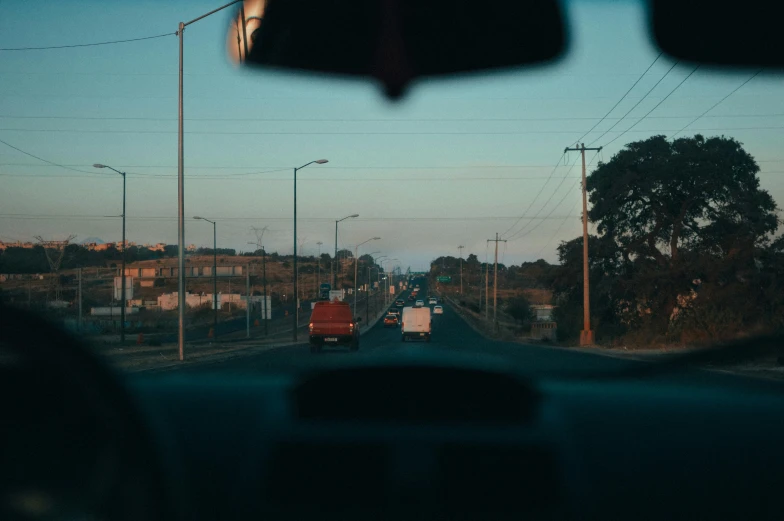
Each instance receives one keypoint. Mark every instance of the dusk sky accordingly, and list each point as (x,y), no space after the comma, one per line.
(453,163)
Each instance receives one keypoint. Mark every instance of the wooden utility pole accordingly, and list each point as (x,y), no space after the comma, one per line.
(247,301)
(495,282)
(586,335)
(487,287)
(80,300)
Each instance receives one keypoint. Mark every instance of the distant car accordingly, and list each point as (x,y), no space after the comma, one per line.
(412,297)
(432,300)
(391,320)
(394,311)
(438,310)
(400,303)
(419,303)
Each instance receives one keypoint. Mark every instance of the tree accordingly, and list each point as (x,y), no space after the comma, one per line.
(610,303)
(519,308)
(672,215)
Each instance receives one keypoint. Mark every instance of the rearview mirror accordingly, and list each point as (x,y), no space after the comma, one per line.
(396,41)
(718,32)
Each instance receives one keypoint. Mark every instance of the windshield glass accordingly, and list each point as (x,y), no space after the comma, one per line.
(302,188)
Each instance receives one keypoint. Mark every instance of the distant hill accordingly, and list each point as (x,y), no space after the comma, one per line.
(89,240)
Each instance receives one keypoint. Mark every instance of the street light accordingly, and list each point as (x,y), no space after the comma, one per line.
(214,275)
(181,186)
(367,293)
(385,277)
(296,295)
(122,275)
(356,264)
(335,260)
(460,249)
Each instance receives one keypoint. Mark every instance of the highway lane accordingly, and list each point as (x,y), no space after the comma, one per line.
(451,337)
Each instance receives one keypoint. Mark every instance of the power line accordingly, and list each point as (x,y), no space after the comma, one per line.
(256,218)
(375,133)
(309,180)
(622,98)
(525,212)
(566,217)
(368,167)
(530,205)
(369,120)
(47,161)
(94,44)
(736,89)
(554,234)
(655,106)
(636,104)
(549,215)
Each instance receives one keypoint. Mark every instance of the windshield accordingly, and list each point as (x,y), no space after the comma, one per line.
(301,188)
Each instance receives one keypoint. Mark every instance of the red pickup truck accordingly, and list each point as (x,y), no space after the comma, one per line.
(331,324)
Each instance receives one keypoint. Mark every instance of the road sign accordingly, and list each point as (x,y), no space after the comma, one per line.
(444,279)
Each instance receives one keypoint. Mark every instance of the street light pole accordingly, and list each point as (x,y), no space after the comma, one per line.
(318,269)
(296,296)
(356,264)
(335,259)
(122,274)
(460,248)
(214,275)
(181,188)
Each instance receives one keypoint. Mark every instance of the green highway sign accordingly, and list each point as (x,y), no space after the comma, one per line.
(444,279)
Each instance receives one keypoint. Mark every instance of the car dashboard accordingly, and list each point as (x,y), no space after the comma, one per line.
(430,441)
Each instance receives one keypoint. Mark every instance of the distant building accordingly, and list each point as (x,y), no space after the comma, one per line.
(170,301)
(195,266)
(544,313)
(17,244)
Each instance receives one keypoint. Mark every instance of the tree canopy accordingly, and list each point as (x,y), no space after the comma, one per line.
(675,221)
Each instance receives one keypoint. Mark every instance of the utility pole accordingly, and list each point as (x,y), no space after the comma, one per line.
(318,275)
(264,300)
(495,283)
(181,188)
(460,249)
(260,245)
(487,287)
(247,302)
(586,335)
(80,299)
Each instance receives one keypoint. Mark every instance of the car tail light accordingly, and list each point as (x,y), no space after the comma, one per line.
(351,326)
(310,327)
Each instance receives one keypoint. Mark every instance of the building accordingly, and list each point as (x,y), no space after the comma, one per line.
(17,244)
(170,301)
(543,312)
(196,266)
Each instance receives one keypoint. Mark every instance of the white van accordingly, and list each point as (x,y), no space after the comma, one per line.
(415,324)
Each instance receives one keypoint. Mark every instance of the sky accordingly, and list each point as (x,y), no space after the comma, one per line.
(453,163)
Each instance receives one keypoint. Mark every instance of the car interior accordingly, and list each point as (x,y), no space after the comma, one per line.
(435,436)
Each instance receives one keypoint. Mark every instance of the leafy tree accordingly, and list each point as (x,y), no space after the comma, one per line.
(680,224)
(666,202)
(519,308)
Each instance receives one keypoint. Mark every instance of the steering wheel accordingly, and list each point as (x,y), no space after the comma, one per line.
(73,444)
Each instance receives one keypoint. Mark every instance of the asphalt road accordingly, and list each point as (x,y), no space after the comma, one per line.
(452,337)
